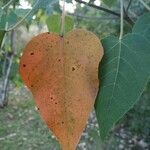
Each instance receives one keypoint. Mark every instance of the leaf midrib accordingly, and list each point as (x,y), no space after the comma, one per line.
(116,76)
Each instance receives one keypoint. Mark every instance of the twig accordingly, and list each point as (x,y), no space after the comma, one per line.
(2,35)
(4,53)
(126,16)
(121,19)
(5,84)
(105,10)
(4,64)
(99,7)
(5,6)
(129,4)
(145,5)
(4,100)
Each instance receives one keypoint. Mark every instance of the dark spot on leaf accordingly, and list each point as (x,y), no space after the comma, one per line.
(67,42)
(59,59)
(73,69)
(48,32)
(38,108)
(51,97)
(32,53)
(62,122)
(24,65)
(31,85)
(56,103)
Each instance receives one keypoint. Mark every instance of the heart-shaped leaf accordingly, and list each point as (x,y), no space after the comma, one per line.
(62,75)
(124,73)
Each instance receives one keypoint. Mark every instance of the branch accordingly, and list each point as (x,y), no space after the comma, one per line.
(129,4)
(99,8)
(9,3)
(3,100)
(105,10)
(145,5)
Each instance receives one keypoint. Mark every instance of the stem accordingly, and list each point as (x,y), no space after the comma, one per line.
(63,20)
(5,84)
(5,53)
(145,5)
(5,6)
(4,101)
(121,19)
(20,22)
(99,7)
(106,10)
(4,64)
(126,16)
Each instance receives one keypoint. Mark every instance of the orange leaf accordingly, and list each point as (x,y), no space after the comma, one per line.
(62,73)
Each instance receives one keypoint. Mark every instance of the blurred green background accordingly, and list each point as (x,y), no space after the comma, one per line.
(21,127)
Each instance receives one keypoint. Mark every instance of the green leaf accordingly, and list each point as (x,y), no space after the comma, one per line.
(124,73)
(143,26)
(109,2)
(54,23)
(2,21)
(10,19)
